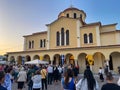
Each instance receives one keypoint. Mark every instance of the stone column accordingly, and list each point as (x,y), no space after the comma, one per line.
(75,62)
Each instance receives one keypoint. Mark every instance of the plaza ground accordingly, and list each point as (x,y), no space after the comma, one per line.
(57,86)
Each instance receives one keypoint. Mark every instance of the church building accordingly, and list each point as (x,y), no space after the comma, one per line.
(69,40)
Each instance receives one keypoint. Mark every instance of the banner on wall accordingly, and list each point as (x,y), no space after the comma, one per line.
(23,60)
(62,59)
(41,57)
(90,59)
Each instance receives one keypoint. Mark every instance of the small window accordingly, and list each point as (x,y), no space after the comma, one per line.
(29,44)
(58,39)
(91,38)
(40,43)
(85,38)
(62,36)
(44,42)
(67,15)
(80,15)
(75,16)
(32,44)
(67,37)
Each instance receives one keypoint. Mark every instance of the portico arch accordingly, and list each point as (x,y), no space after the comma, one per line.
(82,62)
(12,59)
(28,58)
(99,61)
(36,57)
(114,61)
(47,58)
(56,59)
(69,59)
(19,60)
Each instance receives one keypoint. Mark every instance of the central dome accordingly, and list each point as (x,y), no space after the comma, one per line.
(73,13)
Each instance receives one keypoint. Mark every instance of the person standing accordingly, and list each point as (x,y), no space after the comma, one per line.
(2,78)
(44,78)
(110,85)
(67,81)
(30,73)
(60,72)
(88,82)
(22,77)
(37,81)
(56,74)
(118,82)
(7,82)
(50,74)
(106,69)
(101,74)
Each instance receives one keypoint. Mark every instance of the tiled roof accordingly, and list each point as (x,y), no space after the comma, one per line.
(44,32)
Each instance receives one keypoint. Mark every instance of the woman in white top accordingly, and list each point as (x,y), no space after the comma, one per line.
(37,81)
(87,82)
(22,77)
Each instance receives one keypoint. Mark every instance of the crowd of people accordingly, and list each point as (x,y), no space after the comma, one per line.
(38,77)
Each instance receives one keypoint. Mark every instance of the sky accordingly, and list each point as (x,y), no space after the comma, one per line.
(24,17)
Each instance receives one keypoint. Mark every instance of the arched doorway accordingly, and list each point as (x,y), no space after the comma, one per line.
(47,58)
(70,59)
(56,59)
(19,60)
(99,61)
(12,59)
(36,57)
(28,58)
(114,61)
(82,62)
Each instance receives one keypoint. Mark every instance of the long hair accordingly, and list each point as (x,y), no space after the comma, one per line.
(90,79)
(68,74)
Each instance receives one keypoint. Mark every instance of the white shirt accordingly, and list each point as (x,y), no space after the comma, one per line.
(82,85)
(50,69)
(36,81)
(22,76)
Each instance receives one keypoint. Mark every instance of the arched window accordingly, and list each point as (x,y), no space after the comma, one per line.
(67,15)
(80,15)
(62,36)
(90,37)
(67,37)
(74,15)
(29,44)
(58,39)
(44,42)
(85,38)
(41,43)
(32,44)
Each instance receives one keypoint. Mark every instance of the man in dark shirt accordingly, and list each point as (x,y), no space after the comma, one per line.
(2,78)
(110,85)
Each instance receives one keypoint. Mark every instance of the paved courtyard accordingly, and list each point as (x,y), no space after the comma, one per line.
(57,86)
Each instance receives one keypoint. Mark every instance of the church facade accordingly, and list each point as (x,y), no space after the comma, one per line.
(69,39)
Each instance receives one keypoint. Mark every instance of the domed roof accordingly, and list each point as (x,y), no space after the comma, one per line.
(72,8)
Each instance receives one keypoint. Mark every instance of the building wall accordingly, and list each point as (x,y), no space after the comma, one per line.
(67,24)
(108,38)
(88,30)
(108,28)
(36,38)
